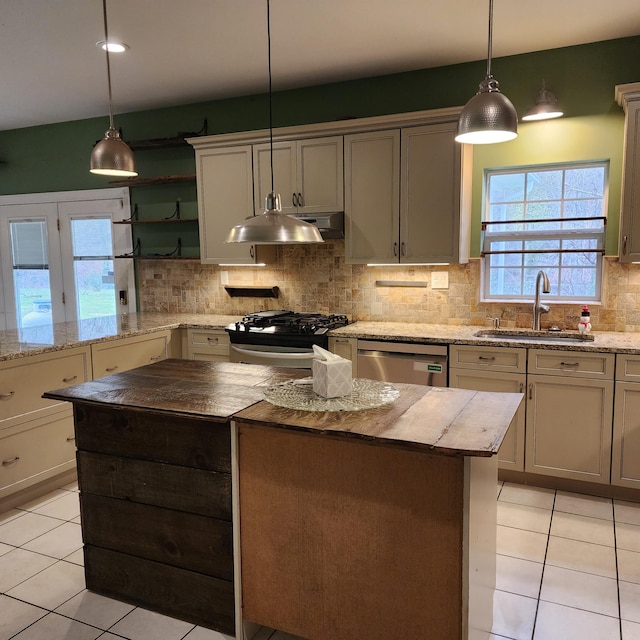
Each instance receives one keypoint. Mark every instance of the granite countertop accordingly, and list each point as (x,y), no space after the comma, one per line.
(611,342)
(454,422)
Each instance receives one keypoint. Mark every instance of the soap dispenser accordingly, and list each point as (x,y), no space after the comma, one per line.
(584,326)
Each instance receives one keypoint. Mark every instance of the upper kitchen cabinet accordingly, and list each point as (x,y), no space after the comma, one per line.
(225,198)
(406,197)
(628,97)
(308,175)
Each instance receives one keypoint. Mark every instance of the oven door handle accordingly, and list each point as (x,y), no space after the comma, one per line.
(273,355)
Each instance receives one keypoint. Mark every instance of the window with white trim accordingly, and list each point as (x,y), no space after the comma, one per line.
(549,217)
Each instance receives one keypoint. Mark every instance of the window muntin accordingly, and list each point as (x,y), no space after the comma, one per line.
(553,219)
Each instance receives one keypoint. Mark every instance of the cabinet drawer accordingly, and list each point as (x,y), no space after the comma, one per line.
(208,345)
(572,363)
(128,353)
(40,450)
(198,444)
(23,381)
(628,368)
(495,358)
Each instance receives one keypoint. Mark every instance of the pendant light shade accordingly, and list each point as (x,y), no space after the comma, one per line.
(111,156)
(489,116)
(546,107)
(272,226)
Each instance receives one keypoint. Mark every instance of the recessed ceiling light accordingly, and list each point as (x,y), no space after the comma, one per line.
(113,47)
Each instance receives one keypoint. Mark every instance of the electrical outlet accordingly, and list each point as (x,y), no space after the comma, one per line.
(440,280)
(224,277)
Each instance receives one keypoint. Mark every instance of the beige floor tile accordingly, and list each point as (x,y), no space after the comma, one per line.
(627,511)
(513,615)
(20,565)
(523,517)
(40,501)
(629,566)
(68,579)
(5,516)
(555,622)
(66,507)
(580,590)
(55,627)
(531,496)
(570,525)
(630,630)
(77,557)
(628,536)
(582,556)
(200,633)
(94,609)
(518,576)
(629,601)
(5,548)
(59,542)
(519,543)
(583,505)
(26,527)
(16,615)
(147,625)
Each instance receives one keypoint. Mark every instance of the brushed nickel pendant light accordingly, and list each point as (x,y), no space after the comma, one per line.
(489,116)
(546,107)
(111,156)
(272,226)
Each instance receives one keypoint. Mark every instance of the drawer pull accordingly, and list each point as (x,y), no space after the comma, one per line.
(6,396)
(487,358)
(71,439)
(155,358)
(71,379)
(110,369)
(530,391)
(569,364)
(8,461)
(213,339)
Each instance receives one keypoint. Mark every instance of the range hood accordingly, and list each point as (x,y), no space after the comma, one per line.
(330,225)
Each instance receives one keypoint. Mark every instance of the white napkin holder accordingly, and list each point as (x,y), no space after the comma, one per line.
(332,375)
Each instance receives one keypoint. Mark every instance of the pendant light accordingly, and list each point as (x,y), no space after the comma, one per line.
(546,107)
(111,156)
(272,226)
(489,116)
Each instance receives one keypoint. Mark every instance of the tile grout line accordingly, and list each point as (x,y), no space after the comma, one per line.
(615,549)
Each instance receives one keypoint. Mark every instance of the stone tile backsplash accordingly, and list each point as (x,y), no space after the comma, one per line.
(316,278)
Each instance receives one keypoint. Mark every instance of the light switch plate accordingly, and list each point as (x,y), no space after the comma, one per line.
(440,280)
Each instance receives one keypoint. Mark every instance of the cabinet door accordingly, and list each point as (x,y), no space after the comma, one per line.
(284,174)
(320,175)
(430,199)
(625,470)
(225,198)
(346,348)
(372,197)
(511,453)
(569,427)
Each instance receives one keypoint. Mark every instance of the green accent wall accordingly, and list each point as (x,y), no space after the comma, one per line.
(56,157)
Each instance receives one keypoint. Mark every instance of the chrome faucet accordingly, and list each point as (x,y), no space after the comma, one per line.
(538,308)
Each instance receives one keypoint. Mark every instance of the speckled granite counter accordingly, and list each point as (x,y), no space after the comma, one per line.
(612,342)
(17,343)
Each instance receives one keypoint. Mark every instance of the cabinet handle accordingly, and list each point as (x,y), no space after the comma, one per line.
(6,396)
(300,200)
(487,358)
(213,339)
(395,249)
(624,245)
(110,369)
(252,252)
(294,200)
(521,387)
(530,391)
(71,379)
(403,248)
(570,364)
(8,461)
(71,439)
(155,358)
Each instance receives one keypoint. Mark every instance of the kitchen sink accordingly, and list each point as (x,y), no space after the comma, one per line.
(527,335)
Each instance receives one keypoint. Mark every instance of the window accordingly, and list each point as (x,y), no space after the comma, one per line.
(57,259)
(549,217)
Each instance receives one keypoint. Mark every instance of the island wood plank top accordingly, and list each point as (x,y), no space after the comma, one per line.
(442,420)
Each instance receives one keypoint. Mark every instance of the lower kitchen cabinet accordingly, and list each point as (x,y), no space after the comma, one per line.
(208,344)
(346,348)
(625,461)
(569,415)
(155,497)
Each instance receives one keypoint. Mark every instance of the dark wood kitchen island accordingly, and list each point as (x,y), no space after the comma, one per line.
(203,501)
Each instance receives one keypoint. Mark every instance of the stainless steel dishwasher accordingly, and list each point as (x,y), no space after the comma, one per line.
(401,362)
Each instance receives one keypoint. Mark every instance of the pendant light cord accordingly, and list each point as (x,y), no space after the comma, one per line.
(106,48)
(270,93)
(489,47)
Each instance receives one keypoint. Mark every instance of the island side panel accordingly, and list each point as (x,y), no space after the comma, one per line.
(342,539)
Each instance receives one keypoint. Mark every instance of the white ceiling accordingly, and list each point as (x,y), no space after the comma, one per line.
(186,51)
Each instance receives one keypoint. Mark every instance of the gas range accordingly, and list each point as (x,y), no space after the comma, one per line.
(285,328)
